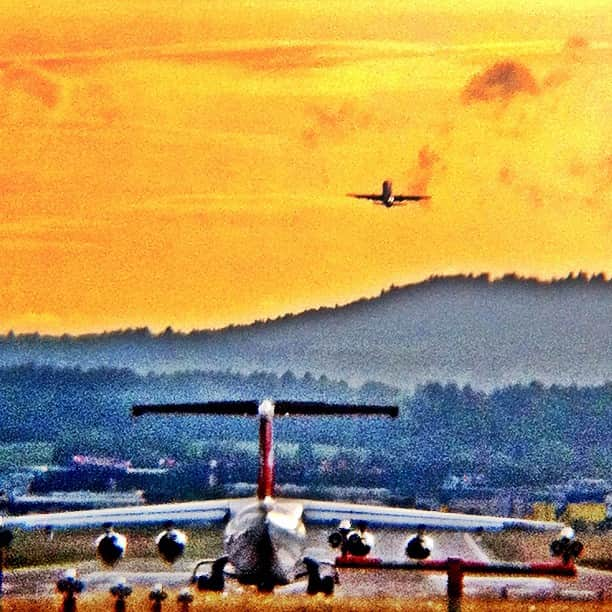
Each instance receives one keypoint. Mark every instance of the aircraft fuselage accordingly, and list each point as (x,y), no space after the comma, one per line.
(387,193)
(265,542)
(386,197)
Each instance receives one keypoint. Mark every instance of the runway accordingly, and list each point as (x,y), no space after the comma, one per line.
(389,545)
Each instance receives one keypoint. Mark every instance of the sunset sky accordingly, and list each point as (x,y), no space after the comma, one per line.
(186,163)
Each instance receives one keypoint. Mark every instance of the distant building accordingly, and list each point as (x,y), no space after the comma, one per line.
(591,513)
(73,500)
(496,503)
(543,511)
(107,463)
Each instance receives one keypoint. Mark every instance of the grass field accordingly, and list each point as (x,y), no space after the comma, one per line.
(513,546)
(299,603)
(35,548)
(75,547)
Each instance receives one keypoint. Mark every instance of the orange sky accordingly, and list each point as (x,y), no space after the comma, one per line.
(185,164)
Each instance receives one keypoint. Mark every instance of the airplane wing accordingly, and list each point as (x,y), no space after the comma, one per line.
(366,196)
(410,198)
(201,512)
(315,512)
(325,512)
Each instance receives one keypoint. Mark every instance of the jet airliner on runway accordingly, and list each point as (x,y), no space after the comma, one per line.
(387,197)
(264,541)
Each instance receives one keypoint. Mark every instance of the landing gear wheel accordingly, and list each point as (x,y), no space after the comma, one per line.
(265,586)
(327,585)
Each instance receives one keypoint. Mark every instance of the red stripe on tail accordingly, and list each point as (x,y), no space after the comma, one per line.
(265,480)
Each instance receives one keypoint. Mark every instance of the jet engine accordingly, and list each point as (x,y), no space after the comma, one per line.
(110,546)
(566,546)
(419,546)
(170,543)
(356,542)
(335,539)
(359,543)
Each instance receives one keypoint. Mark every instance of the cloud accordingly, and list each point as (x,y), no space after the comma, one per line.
(335,122)
(506,175)
(575,52)
(423,170)
(275,57)
(32,82)
(268,56)
(31,96)
(502,81)
(576,42)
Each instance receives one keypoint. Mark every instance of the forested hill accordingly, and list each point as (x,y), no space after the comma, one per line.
(468,330)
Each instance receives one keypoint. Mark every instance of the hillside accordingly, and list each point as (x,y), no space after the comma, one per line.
(462,329)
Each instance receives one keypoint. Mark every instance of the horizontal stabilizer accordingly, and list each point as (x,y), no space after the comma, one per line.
(244,407)
(323,409)
(283,407)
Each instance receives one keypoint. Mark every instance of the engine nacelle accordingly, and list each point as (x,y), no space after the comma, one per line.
(419,547)
(335,539)
(359,543)
(566,546)
(111,546)
(171,544)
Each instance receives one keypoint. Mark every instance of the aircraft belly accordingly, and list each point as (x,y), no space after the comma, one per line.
(288,547)
(261,550)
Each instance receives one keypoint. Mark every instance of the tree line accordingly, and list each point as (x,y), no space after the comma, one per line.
(515,435)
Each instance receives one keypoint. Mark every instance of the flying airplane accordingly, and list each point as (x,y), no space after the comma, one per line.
(264,539)
(387,197)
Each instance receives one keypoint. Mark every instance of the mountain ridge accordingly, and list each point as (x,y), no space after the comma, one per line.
(463,329)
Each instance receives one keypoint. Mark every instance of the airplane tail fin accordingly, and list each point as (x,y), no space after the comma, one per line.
(266,410)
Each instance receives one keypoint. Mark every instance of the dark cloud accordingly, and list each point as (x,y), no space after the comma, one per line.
(32,82)
(422,173)
(501,81)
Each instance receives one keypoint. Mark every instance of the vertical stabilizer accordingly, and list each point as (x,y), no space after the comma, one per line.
(265,479)
(266,410)
(387,190)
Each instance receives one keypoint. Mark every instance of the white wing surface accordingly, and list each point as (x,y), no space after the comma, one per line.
(324,512)
(200,512)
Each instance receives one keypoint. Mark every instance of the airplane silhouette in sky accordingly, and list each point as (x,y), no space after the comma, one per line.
(387,198)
